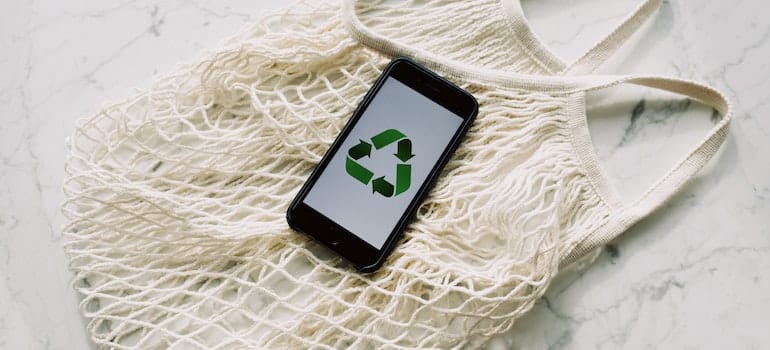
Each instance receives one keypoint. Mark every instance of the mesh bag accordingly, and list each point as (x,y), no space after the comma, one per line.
(176,197)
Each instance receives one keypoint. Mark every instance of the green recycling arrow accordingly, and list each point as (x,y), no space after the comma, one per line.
(386,137)
(358,172)
(360,150)
(364,175)
(403,178)
(382,186)
(404,150)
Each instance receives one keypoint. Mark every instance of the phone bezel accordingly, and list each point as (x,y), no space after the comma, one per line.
(364,256)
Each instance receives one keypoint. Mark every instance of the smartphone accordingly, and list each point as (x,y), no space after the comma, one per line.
(372,179)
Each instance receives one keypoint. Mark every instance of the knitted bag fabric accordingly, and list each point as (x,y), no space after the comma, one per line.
(176,196)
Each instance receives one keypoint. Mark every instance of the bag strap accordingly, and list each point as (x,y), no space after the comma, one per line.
(597,54)
(606,47)
(670,183)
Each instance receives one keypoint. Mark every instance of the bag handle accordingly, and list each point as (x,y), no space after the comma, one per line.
(607,46)
(682,172)
(598,53)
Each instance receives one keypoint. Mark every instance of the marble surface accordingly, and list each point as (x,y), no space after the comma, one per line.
(695,275)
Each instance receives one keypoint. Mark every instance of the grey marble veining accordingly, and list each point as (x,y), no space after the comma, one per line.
(693,275)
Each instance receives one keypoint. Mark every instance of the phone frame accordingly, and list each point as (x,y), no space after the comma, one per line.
(364,256)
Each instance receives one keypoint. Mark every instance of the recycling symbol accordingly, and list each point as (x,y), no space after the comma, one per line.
(403,169)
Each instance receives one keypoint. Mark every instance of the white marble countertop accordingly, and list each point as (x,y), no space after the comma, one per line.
(694,275)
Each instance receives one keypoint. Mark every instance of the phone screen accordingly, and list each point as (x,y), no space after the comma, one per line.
(372,178)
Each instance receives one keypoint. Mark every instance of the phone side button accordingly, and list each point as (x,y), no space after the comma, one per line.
(334,236)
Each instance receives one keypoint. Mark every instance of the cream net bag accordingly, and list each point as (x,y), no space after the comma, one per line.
(176,197)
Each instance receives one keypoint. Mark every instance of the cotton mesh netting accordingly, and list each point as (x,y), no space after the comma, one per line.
(176,201)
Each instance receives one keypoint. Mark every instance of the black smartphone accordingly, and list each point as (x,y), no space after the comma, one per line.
(369,183)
